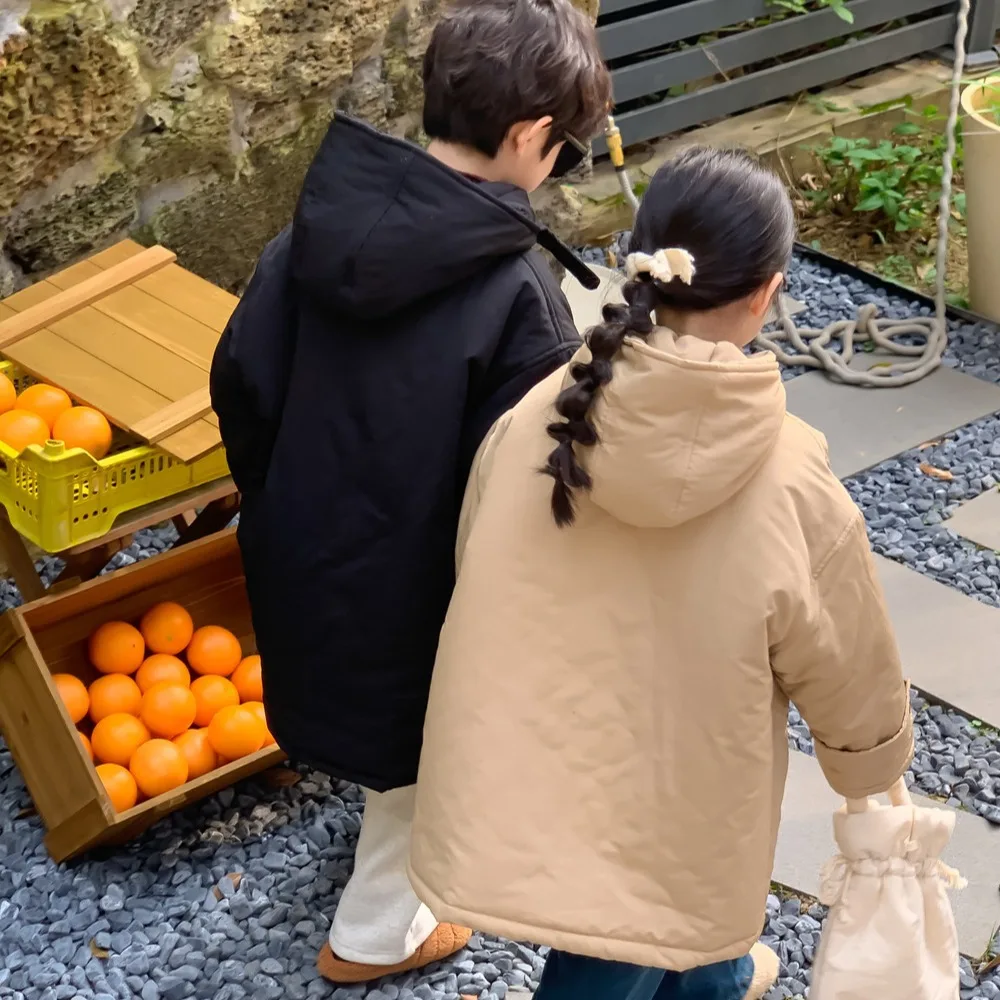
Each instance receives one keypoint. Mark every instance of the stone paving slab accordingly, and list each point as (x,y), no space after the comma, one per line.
(978,520)
(949,643)
(867,426)
(805,843)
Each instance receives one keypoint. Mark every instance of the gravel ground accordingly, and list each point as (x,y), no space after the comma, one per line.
(166,918)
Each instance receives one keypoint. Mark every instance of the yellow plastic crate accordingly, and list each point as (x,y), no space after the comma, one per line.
(59,498)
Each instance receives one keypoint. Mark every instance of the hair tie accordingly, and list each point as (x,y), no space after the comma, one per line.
(664,265)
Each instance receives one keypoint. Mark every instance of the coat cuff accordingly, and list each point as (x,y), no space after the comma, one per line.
(856,774)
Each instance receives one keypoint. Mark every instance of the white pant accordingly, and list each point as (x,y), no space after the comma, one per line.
(379,920)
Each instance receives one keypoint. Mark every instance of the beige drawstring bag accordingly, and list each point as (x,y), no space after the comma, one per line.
(890,933)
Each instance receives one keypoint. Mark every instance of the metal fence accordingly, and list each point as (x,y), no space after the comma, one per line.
(742,57)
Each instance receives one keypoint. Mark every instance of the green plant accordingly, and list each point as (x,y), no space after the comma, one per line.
(839,7)
(896,182)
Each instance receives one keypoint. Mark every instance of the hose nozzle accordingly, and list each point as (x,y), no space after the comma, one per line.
(613,139)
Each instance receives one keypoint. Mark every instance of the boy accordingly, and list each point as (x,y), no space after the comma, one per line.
(382,335)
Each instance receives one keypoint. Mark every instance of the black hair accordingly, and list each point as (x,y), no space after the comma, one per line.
(494,63)
(736,220)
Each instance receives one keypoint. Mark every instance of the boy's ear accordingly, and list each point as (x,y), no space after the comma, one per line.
(523,134)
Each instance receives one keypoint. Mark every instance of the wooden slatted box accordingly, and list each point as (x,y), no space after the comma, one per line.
(50,636)
(132,334)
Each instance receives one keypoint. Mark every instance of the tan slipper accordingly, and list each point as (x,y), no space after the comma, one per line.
(765,971)
(445,941)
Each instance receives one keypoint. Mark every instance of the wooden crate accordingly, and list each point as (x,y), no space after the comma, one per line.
(50,636)
(131,333)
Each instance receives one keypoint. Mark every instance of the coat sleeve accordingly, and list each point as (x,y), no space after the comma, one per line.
(481,468)
(251,365)
(839,664)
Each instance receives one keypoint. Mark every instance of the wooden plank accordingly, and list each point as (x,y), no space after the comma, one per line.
(73,275)
(177,415)
(34,294)
(163,324)
(44,743)
(191,443)
(139,819)
(159,323)
(134,355)
(177,287)
(191,295)
(82,375)
(19,561)
(157,370)
(121,398)
(122,250)
(39,316)
(156,513)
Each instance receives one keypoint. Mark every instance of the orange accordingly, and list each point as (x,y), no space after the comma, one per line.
(246,677)
(117,737)
(74,695)
(119,784)
(158,766)
(168,709)
(212,693)
(257,707)
(87,748)
(47,401)
(167,628)
(86,428)
(214,650)
(161,668)
(8,394)
(19,428)
(116,648)
(235,732)
(198,752)
(114,694)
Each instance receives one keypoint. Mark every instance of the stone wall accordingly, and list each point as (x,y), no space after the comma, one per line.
(188,122)
(185,122)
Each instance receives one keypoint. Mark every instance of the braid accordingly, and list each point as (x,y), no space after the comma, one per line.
(574,402)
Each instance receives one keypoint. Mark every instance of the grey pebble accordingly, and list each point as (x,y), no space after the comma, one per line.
(240,908)
(175,988)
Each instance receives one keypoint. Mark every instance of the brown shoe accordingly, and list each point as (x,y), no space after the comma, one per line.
(445,941)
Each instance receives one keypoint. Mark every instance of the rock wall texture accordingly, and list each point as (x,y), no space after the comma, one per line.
(188,122)
(185,122)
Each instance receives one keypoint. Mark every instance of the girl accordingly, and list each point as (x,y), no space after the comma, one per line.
(654,558)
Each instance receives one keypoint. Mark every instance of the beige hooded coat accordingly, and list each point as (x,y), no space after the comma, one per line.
(605,749)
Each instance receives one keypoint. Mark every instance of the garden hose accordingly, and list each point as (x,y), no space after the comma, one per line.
(613,138)
(812,346)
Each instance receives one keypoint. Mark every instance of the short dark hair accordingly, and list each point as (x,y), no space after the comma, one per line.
(494,63)
(735,218)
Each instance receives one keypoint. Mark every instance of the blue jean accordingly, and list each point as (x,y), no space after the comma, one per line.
(570,977)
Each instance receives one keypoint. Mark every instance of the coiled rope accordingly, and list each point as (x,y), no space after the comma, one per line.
(812,346)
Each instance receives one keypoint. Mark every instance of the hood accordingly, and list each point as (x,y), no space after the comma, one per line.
(380,224)
(684,425)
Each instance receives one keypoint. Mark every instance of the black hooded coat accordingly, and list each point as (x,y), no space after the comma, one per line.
(383,333)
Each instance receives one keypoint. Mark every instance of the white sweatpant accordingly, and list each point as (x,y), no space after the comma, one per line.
(379,920)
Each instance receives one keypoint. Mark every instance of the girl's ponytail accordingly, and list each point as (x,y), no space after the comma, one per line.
(649,275)
(574,402)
